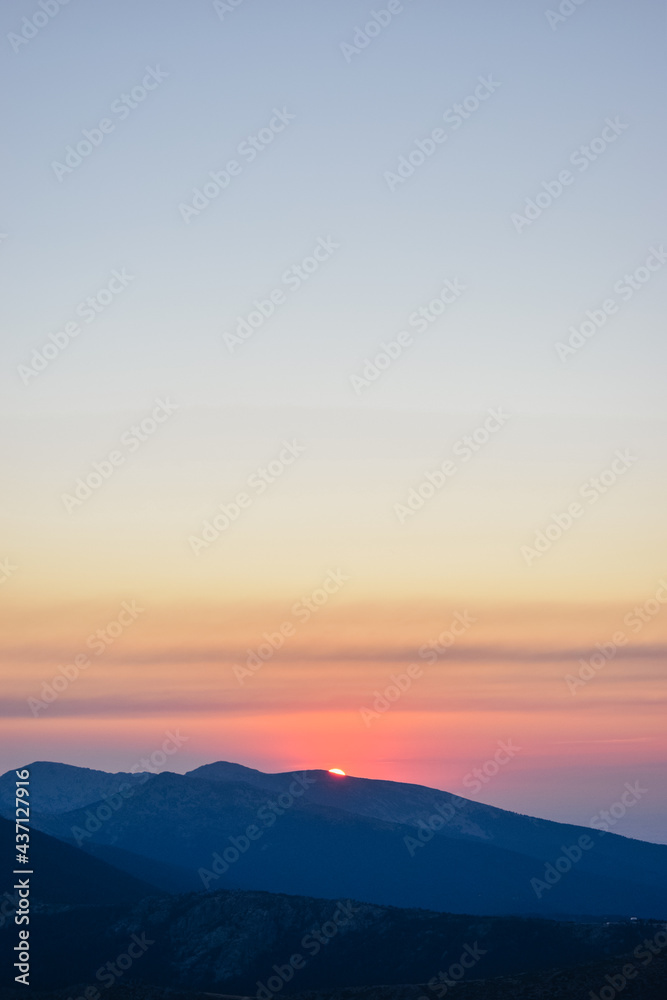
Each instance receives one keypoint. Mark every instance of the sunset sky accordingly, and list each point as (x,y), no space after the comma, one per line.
(549,429)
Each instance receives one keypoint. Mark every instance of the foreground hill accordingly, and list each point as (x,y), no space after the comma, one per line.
(555,984)
(238,942)
(581,982)
(316,834)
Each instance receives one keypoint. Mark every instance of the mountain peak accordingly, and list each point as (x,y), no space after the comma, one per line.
(56,787)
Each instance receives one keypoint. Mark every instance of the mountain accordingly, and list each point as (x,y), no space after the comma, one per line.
(232,942)
(64,874)
(408,804)
(58,787)
(318,834)
(169,878)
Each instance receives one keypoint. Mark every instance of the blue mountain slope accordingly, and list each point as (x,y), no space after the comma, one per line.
(63,874)
(416,805)
(58,787)
(293,841)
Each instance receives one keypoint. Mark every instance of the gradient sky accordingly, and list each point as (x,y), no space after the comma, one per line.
(334,508)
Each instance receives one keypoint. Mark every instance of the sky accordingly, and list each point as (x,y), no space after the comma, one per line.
(332,391)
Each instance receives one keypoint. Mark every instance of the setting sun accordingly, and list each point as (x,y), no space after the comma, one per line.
(336,770)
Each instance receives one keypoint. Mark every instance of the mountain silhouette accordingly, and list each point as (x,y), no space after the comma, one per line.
(64,874)
(224,826)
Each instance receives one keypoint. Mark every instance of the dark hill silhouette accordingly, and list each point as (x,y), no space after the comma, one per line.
(227,942)
(64,874)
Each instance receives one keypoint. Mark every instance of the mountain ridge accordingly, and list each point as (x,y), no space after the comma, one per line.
(312,833)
